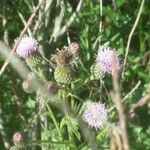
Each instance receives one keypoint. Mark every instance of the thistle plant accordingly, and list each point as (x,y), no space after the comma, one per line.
(72,99)
(63,73)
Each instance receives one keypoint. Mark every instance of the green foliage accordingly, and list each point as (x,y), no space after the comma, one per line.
(61,131)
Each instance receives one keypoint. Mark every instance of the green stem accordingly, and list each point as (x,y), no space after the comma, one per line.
(54,120)
(63,95)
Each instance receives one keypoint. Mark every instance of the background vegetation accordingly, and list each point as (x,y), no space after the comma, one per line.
(17,108)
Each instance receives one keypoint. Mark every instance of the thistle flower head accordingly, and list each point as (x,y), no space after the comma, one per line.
(26,46)
(17,137)
(95,114)
(105,58)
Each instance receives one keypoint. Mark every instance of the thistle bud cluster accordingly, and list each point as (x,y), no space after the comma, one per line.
(63,73)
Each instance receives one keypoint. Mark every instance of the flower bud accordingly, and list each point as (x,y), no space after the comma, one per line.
(34,60)
(51,87)
(74,48)
(96,72)
(18,140)
(26,86)
(63,74)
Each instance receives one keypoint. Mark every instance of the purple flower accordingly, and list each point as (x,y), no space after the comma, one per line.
(26,46)
(95,114)
(105,58)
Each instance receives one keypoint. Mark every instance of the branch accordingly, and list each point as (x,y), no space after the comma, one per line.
(24,23)
(72,18)
(117,100)
(129,94)
(58,20)
(131,34)
(141,102)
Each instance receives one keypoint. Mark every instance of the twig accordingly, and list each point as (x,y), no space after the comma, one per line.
(129,94)
(72,18)
(1,16)
(114,4)
(51,64)
(24,23)
(131,34)
(100,22)
(117,100)
(101,15)
(68,38)
(46,17)
(141,102)
(19,39)
(48,12)
(58,20)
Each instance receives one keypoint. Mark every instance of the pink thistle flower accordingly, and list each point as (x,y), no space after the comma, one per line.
(27,46)
(105,58)
(17,137)
(95,114)
(74,48)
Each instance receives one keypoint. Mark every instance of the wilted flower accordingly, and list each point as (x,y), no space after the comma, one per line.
(105,58)
(95,114)
(63,57)
(26,46)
